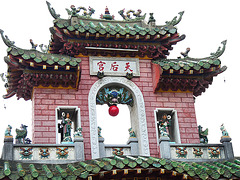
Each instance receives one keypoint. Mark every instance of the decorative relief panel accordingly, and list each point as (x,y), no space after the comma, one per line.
(196,152)
(114,66)
(44,153)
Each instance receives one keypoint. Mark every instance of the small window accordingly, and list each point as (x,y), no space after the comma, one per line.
(74,116)
(167,124)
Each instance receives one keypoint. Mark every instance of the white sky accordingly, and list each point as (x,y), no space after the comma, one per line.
(205,23)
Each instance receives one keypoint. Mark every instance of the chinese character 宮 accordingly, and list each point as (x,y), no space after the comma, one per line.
(127,67)
(101,65)
(114,66)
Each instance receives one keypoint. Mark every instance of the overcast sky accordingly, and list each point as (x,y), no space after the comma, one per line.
(205,23)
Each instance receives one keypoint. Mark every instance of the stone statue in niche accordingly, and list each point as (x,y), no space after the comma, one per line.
(67,126)
(163,124)
(163,129)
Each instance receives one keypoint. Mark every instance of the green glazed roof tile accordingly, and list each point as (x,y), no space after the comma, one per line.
(14,52)
(112,32)
(162,32)
(200,63)
(62,62)
(152,32)
(92,25)
(76,26)
(119,26)
(101,25)
(191,64)
(117,29)
(21,51)
(25,56)
(55,59)
(44,58)
(81,23)
(196,67)
(166,28)
(176,67)
(9,49)
(186,67)
(40,57)
(73,63)
(122,32)
(102,31)
(156,29)
(166,67)
(196,170)
(70,28)
(32,55)
(78,60)
(172,63)
(217,62)
(129,27)
(173,30)
(206,65)
(86,27)
(81,29)
(92,31)
(60,25)
(66,24)
(142,32)
(98,28)
(67,59)
(132,32)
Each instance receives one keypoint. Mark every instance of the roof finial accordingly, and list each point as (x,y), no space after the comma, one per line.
(34,46)
(6,40)
(220,50)
(107,15)
(185,54)
(175,21)
(52,11)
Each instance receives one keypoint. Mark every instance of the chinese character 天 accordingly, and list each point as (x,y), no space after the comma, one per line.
(127,67)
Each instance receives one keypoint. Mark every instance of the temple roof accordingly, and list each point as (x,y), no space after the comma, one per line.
(187,73)
(122,166)
(40,58)
(80,35)
(28,68)
(129,37)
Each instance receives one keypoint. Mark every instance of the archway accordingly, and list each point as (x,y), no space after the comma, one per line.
(137,114)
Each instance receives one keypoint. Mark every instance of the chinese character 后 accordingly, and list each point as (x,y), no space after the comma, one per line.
(127,67)
(114,66)
(101,65)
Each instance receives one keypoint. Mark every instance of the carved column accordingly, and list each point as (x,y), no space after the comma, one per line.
(102,151)
(7,152)
(165,149)
(79,148)
(133,142)
(228,149)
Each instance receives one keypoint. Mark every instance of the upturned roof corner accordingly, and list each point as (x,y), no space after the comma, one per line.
(6,40)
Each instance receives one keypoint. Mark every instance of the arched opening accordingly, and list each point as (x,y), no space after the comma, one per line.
(137,113)
(114,128)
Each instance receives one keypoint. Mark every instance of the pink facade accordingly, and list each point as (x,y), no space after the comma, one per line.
(46,100)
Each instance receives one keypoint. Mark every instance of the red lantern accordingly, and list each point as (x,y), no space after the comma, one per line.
(113,110)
